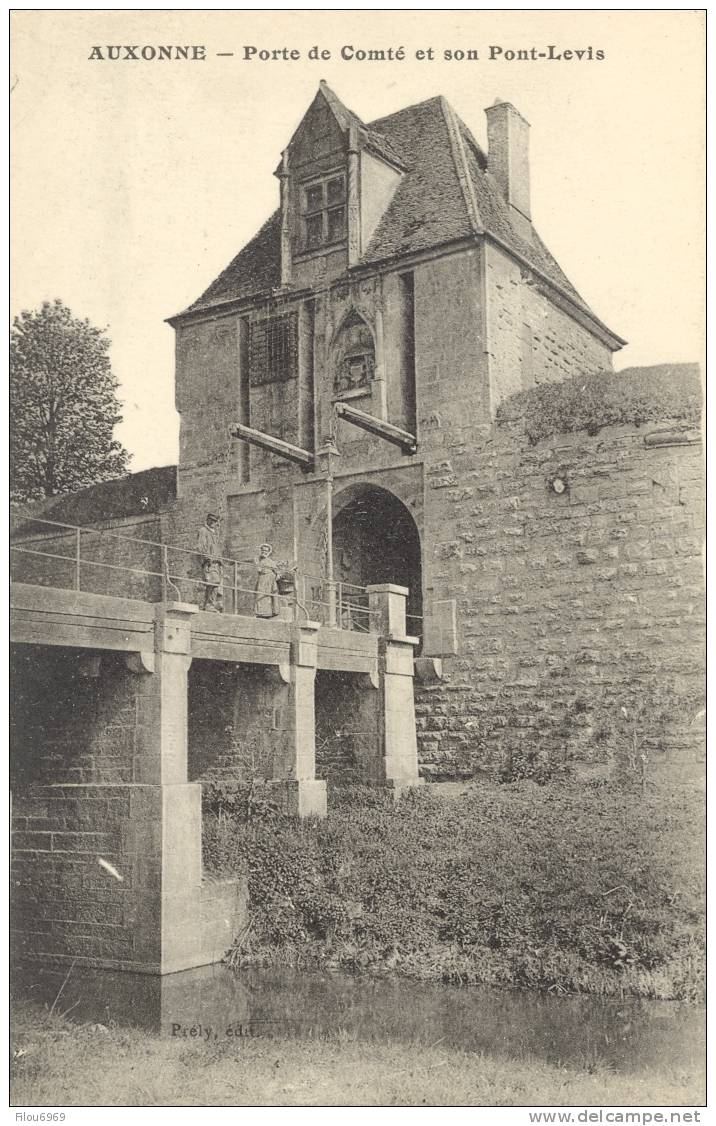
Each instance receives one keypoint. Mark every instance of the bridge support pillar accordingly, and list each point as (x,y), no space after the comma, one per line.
(107,828)
(196,920)
(399,746)
(302,794)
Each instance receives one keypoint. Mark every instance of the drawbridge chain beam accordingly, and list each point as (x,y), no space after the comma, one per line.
(277,446)
(386,430)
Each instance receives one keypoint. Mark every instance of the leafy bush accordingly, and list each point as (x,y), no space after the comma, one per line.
(571,887)
(591,402)
(525,761)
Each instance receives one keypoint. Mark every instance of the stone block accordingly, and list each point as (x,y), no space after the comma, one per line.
(301,797)
(224,913)
(586,557)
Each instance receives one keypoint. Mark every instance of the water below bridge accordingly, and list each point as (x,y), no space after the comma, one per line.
(627,1035)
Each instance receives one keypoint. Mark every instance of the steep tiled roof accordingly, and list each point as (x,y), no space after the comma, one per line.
(140,494)
(496,220)
(255,269)
(445,194)
(428,207)
(369,133)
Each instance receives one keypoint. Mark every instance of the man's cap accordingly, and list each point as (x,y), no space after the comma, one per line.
(212,516)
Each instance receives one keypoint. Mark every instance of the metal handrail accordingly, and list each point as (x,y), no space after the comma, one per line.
(169,547)
(78,528)
(348,609)
(142,571)
(336,582)
(89,530)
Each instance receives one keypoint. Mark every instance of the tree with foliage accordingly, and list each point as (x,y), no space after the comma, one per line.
(63,405)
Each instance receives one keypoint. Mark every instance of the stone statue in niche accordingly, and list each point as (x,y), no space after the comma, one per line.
(275,577)
(355,357)
(212,566)
(354,373)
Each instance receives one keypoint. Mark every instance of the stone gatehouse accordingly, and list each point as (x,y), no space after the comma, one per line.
(401,275)
(425,402)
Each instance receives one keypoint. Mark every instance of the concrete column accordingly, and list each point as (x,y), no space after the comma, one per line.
(165,820)
(302,794)
(399,746)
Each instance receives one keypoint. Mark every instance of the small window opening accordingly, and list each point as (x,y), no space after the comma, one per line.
(323,209)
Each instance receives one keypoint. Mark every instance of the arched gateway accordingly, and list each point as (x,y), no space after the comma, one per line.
(376,540)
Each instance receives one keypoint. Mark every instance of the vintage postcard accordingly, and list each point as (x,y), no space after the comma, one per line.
(356,602)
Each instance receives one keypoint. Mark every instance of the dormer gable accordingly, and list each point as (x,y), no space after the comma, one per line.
(337,179)
(415,180)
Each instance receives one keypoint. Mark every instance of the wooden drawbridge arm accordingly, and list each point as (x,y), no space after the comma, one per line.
(276,446)
(386,430)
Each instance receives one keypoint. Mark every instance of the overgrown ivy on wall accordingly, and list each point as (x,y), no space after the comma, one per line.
(591,402)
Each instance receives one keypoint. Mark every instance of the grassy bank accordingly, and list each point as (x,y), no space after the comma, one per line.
(56,1063)
(570,887)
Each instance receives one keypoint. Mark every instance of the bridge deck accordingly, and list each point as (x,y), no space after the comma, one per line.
(41,615)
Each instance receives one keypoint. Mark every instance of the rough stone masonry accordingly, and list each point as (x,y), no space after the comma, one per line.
(402,272)
(555,574)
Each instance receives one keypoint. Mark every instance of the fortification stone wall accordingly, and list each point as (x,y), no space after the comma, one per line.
(569,605)
(62,899)
(76,718)
(76,744)
(531,339)
(237,722)
(347,729)
(116,557)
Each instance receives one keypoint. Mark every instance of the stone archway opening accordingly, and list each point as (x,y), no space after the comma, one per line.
(376,540)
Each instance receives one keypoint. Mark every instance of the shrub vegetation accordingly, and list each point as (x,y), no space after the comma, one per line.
(571,887)
(591,402)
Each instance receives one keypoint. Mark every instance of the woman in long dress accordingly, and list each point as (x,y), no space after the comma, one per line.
(266,584)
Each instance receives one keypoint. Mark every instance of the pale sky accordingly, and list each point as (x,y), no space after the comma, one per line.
(135,183)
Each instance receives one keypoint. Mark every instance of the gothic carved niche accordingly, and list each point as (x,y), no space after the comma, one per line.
(354,353)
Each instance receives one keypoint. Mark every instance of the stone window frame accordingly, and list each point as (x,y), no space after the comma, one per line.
(319,211)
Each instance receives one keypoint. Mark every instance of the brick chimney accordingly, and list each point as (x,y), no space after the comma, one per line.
(508,154)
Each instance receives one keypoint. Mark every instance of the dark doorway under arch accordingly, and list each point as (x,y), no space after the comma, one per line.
(376,540)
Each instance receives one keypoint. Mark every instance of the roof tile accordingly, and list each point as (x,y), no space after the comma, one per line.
(429,207)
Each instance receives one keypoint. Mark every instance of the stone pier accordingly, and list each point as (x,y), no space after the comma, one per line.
(396,707)
(294,771)
(107,866)
(366,716)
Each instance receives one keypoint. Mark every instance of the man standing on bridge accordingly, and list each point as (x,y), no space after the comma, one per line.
(211,563)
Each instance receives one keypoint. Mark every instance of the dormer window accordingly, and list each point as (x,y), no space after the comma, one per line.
(323,209)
